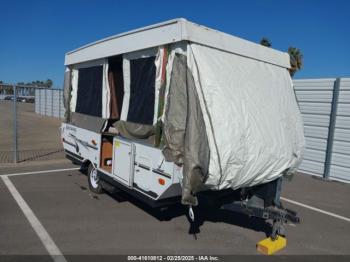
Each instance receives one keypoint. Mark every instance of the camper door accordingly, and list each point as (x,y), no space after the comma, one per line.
(123,161)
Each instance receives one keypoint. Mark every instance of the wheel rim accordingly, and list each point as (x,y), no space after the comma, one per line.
(94,179)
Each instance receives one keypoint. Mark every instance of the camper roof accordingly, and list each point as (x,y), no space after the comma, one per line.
(174,31)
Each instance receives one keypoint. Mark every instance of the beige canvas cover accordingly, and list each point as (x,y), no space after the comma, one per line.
(230,121)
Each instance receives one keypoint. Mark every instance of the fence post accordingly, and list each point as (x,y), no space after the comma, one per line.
(59,104)
(331,130)
(15,155)
(46,111)
(52,98)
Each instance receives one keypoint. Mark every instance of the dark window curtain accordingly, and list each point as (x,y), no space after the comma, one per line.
(89,99)
(116,84)
(142,84)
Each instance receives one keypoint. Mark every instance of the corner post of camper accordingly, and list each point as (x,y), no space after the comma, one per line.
(15,151)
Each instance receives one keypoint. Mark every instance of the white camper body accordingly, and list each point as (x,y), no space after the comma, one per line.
(175,109)
(134,165)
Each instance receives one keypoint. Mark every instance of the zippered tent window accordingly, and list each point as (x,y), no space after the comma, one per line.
(90,94)
(89,97)
(142,87)
(140,96)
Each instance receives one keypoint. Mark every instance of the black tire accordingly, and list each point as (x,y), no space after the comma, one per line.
(94,180)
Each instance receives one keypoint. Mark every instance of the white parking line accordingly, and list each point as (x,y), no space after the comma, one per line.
(41,172)
(316,209)
(49,244)
(44,236)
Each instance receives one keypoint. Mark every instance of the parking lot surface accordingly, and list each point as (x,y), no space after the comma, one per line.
(82,223)
(38,136)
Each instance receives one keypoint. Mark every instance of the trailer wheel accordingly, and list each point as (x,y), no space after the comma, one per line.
(94,180)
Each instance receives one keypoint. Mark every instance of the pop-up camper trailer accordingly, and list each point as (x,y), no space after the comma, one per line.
(180,112)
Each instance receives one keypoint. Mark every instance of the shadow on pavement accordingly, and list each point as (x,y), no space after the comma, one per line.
(202,214)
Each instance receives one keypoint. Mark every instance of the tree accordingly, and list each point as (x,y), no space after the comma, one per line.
(265,42)
(48,83)
(1,82)
(296,60)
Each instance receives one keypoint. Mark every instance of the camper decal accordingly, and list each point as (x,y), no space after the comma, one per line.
(81,142)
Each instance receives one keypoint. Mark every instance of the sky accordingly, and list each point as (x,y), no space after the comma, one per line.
(35,35)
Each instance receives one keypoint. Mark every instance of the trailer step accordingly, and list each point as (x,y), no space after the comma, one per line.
(268,246)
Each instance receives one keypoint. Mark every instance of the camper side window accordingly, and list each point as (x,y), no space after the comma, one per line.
(142,85)
(89,97)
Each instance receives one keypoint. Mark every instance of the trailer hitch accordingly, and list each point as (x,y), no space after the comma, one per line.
(272,212)
(278,214)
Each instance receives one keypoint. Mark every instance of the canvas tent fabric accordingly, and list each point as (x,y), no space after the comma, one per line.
(230,117)
(174,127)
(91,109)
(134,99)
(252,120)
(100,83)
(185,137)
(140,132)
(117,93)
(89,94)
(230,121)
(116,84)
(88,122)
(160,62)
(67,88)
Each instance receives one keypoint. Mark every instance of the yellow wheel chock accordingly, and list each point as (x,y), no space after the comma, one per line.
(268,246)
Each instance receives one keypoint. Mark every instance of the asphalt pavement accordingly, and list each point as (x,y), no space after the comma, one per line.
(82,223)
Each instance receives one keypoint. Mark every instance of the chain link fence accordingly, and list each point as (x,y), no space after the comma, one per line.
(24,134)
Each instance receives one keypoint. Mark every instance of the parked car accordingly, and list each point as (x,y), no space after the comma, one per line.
(21,99)
(8,98)
(30,99)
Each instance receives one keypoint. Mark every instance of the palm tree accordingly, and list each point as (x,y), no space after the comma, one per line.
(265,42)
(49,83)
(296,60)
